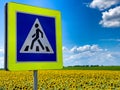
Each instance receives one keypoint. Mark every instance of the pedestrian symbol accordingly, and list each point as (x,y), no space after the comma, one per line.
(36,41)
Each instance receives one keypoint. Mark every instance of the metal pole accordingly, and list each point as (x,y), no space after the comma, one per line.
(35,79)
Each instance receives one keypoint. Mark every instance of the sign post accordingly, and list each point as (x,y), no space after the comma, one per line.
(33,39)
(35,78)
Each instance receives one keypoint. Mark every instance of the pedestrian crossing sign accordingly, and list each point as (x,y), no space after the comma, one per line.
(33,38)
(36,41)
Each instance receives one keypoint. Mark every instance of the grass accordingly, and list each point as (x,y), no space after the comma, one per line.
(1,68)
(92,68)
(89,68)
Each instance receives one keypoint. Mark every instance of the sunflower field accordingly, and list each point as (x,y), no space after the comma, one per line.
(61,80)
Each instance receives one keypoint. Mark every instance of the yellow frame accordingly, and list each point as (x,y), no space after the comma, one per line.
(12,8)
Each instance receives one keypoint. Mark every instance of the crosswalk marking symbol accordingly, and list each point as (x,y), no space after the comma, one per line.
(36,41)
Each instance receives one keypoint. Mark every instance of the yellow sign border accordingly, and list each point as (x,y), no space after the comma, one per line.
(11,46)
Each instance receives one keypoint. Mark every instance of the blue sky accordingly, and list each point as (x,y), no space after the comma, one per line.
(90,30)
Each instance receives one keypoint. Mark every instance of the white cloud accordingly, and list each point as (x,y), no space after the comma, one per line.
(64,49)
(83,48)
(111,15)
(1,50)
(86,48)
(90,55)
(95,48)
(115,40)
(111,18)
(104,58)
(1,62)
(103,4)
(1,58)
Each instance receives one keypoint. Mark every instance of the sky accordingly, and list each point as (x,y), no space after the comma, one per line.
(90,30)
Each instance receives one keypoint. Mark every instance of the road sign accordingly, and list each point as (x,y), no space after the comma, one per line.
(33,38)
(34,43)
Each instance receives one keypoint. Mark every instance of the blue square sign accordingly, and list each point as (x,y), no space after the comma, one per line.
(36,38)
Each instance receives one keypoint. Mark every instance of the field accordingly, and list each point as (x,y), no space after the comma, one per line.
(92,68)
(61,80)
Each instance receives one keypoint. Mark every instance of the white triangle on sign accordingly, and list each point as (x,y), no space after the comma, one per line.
(36,41)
